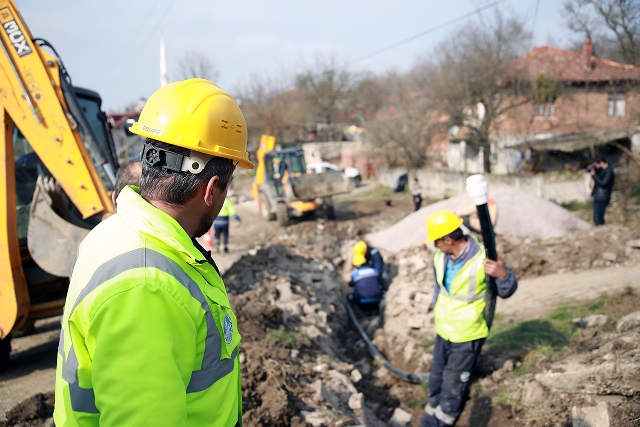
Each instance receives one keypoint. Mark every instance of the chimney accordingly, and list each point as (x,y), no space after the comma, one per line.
(587,51)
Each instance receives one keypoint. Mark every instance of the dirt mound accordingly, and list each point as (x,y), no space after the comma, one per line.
(37,411)
(605,246)
(519,214)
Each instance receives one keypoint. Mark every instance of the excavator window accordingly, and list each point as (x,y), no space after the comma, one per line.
(298,165)
(91,106)
(27,168)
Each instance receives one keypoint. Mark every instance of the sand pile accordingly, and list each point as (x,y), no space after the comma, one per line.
(519,214)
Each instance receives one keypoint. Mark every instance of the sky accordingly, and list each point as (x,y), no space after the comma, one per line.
(112,47)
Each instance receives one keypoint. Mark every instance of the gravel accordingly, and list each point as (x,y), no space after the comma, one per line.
(519,213)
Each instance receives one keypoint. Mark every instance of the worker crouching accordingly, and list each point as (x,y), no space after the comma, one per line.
(148,335)
(461,269)
(367,280)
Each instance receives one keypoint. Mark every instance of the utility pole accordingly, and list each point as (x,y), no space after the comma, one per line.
(163,63)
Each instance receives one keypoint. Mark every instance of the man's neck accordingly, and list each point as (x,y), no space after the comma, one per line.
(183,215)
(458,248)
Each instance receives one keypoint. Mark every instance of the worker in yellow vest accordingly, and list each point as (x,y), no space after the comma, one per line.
(221,225)
(461,269)
(148,335)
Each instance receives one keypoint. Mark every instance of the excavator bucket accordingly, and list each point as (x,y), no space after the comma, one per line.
(316,185)
(52,240)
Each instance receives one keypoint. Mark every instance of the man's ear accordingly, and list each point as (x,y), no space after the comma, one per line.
(211,190)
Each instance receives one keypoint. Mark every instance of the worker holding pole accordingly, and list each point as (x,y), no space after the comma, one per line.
(148,335)
(462,273)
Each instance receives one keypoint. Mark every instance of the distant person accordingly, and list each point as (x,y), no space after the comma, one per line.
(373,259)
(221,224)
(366,284)
(416,193)
(461,268)
(128,174)
(602,174)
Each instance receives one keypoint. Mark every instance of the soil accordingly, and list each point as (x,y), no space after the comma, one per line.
(301,361)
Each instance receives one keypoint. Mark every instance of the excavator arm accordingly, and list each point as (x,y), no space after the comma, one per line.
(36,97)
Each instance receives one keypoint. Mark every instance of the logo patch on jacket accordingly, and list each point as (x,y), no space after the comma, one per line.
(227,327)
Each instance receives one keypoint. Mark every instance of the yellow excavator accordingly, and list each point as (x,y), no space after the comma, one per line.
(283,186)
(57,166)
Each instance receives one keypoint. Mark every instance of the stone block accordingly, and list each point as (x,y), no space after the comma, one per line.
(609,256)
(591,416)
(590,321)
(355,375)
(628,322)
(635,244)
(356,401)
(422,299)
(400,418)
(532,393)
(284,292)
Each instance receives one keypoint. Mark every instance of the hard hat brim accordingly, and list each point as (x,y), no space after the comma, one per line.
(434,238)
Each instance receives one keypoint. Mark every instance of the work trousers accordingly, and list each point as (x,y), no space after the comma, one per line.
(598,211)
(221,232)
(417,201)
(451,371)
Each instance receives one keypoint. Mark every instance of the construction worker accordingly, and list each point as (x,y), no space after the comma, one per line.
(367,284)
(128,174)
(221,224)
(148,336)
(373,259)
(461,269)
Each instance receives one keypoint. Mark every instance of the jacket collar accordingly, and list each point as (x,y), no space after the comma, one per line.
(154,224)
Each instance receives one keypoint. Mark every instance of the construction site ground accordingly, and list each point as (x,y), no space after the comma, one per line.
(303,363)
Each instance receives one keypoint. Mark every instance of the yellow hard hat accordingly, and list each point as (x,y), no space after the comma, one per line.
(360,248)
(359,259)
(441,223)
(197,115)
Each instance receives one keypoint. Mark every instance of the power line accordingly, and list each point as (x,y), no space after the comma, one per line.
(430,30)
(126,53)
(150,33)
(533,26)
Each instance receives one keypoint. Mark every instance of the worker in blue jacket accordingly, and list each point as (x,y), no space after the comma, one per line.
(367,284)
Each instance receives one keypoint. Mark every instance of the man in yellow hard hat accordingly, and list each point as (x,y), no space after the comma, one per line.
(148,334)
(461,269)
(373,259)
(367,284)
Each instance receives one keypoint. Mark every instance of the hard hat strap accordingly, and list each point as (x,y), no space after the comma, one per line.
(154,157)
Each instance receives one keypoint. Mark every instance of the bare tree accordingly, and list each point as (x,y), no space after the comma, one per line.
(275,107)
(404,132)
(470,74)
(194,64)
(327,83)
(612,25)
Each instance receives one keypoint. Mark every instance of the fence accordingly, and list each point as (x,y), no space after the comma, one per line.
(560,187)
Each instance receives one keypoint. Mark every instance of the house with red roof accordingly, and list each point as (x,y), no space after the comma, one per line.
(582,106)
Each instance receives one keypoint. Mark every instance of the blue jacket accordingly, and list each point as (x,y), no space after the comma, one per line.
(366,281)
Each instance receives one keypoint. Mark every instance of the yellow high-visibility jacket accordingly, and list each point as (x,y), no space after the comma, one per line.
(148,335)
(459,313)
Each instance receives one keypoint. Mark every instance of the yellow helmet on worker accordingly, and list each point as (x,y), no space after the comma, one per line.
(360,248)
(358,260)
(197,115)
(441,223)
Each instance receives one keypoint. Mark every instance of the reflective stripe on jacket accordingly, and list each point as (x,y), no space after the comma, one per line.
(459,314)
(148,336)
(366,283)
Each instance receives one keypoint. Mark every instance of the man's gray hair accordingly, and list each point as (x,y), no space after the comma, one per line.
(177,188)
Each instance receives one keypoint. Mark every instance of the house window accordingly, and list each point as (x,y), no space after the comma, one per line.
(616,104)
(545,109)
